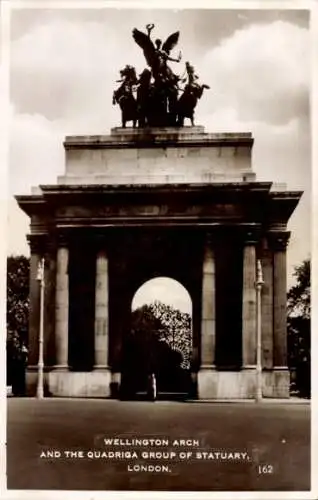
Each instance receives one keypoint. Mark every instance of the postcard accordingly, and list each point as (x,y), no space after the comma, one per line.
(158,250)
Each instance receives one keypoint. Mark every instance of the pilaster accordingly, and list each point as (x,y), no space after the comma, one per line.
(278,241)
(267,306)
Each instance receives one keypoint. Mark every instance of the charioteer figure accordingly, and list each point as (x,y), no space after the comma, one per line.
(191,94)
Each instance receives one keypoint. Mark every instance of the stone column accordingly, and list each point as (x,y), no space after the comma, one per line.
(101,311)
(279,241)
(207,376)
(61,307)
(267,306)
(208,308)
(249,302)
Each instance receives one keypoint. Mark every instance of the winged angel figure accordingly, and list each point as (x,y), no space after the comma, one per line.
(157,54)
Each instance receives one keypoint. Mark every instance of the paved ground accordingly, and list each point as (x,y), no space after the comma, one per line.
(276,436)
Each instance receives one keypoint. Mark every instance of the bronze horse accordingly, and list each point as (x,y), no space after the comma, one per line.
(188,101)
(127,103)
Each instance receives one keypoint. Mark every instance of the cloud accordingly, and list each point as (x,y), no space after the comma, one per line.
(17,229)
(262,71)
(36,152)
(66,69)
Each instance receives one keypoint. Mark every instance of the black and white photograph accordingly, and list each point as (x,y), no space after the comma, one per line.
(158,267)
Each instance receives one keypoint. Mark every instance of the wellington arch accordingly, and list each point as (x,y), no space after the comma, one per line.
(160,201)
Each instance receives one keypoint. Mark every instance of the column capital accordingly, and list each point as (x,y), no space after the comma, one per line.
(37,243)
(50,245)
(62,239)
(250,235)
(278,240)
(100,242)
(208,239)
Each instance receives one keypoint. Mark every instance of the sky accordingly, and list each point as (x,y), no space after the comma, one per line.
(63,67)
(167,290)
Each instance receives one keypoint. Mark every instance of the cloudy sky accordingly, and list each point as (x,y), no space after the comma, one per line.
(64,63)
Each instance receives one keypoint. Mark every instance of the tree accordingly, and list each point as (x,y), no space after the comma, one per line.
(18,268)
(175,329)
(159,342)
(298,328)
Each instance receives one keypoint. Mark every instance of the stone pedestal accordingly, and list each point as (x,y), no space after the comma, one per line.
(94,384)
(214,384)
(276,383)
(157,156)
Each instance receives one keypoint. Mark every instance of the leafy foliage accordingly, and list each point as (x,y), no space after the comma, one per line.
(159,342)
(169,325)
(298,328)
(298,297)
(18,269)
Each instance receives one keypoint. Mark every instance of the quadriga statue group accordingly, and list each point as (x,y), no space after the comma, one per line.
(157,97)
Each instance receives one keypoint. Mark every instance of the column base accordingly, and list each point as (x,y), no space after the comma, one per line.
(94,384)
(115,385)
(214,384)
(61,368)
(31,381)
(276,383)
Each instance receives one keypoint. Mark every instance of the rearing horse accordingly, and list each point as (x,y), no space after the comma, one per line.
(127,103)
(188,102)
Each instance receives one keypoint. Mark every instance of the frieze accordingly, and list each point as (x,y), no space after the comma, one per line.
(216,211)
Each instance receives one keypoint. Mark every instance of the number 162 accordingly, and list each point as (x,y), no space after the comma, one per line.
(265,469)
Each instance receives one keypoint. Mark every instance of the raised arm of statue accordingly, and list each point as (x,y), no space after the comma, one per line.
(178,59)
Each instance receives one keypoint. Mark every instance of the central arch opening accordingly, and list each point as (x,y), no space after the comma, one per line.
(159,341)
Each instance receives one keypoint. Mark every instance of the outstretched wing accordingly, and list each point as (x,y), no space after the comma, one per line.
(146,44)
(171,42)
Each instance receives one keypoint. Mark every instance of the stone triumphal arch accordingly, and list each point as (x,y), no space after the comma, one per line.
(142,203)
